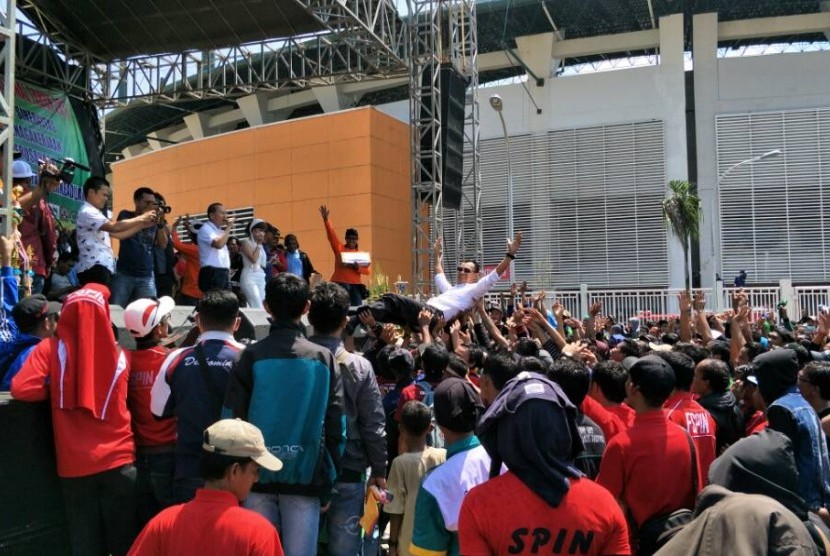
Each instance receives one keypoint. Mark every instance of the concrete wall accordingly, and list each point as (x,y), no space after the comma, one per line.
(355,161)
(742,85)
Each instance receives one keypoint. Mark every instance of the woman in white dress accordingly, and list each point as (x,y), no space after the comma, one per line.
(252,278)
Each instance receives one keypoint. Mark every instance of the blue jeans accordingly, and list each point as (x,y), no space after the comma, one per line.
(155,483)
(297,518)
(343,523)
(184,488)
(126,288)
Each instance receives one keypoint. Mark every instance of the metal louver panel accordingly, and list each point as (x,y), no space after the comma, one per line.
(588,201)
(773,212)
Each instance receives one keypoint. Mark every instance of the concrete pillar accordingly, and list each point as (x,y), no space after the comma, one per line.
(535,51)
(255,108)
(673,87)
(705,55)
(198,124)
(330,98)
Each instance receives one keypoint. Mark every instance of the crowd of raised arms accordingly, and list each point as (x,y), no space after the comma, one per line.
(398,426)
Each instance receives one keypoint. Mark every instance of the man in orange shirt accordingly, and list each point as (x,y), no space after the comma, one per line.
(189,293)
(347,275)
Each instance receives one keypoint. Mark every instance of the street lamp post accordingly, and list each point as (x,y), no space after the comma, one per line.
(497,105)
(718,260)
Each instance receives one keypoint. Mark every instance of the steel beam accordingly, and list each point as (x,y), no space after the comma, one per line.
(7,59)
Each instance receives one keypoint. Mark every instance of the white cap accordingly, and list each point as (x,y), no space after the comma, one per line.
(143,315)
(237,438)
(21,170)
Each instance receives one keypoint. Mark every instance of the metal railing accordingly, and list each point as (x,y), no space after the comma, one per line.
(653,304)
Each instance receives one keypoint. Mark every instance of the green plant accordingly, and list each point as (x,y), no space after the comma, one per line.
(378,283)
(682,214)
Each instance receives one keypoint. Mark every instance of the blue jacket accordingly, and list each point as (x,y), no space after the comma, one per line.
(793,416)
(8,285)
(18,351)
(291,389)
(181,390)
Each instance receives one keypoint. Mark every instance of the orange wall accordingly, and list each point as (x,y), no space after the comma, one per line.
(355,161)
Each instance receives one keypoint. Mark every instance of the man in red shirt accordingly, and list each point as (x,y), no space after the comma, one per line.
(148,321)
(213,522)
(682,409)
(84,373)
(648,468)
(605,403)
(543,504)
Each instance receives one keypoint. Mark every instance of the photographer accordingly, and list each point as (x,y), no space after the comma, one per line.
(164,257)
(134,277)
(37,228)
(213,250)
(96,262)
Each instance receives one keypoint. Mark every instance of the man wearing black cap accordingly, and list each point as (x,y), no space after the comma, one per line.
(543,504)
(788,412)
(36,319)
(457,409)
(649,467)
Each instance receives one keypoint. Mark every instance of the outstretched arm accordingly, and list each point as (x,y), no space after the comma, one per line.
(512,248)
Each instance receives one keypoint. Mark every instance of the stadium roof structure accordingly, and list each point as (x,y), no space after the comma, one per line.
(242,46)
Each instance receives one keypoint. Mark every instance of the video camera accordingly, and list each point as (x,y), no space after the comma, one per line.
(66,171)
(164,207)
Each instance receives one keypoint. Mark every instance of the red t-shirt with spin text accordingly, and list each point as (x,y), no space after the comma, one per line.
(503,516)
(144,366)
(681,408)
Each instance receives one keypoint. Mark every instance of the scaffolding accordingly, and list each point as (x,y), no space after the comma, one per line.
(441,31)
(7,59)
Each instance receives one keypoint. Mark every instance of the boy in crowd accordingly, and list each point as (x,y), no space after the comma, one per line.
(148,321)
(408,469)
(213,523)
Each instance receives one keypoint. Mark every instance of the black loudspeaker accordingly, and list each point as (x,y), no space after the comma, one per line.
(32,515)
(453,87)
(254,326)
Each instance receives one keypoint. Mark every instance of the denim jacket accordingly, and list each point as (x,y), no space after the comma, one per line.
(810,449)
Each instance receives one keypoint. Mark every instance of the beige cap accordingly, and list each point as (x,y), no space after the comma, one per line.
(235,437)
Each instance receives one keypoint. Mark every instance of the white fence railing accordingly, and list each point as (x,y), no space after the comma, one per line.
(656,303)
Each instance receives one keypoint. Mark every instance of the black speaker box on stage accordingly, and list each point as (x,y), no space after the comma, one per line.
(453,87)
(32,516)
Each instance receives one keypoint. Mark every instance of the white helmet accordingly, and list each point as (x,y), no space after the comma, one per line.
(143,315)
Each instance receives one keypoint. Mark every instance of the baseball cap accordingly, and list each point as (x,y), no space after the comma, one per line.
(21,170)
(237,438)
(457,405)
(33,309)
(143,315)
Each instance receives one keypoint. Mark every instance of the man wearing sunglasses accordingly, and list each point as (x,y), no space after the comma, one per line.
(450,301)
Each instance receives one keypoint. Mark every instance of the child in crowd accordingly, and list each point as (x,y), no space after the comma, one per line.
(407,471)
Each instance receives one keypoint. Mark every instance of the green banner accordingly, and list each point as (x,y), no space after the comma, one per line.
(45,127)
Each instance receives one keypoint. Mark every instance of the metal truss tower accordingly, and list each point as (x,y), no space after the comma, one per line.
(7,59)
(441,31)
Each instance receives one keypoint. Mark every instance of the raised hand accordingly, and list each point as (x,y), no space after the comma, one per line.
(513,246)
(366,319)
(595,308)
(424,318)
(684,301)
(699,301)
(324,212)
(438,247)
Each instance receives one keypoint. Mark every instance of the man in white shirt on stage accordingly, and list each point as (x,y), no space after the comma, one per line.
(214,259)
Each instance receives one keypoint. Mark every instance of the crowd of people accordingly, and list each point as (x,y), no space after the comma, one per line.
(447,426)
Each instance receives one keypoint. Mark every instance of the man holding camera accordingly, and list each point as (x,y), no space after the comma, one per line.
(134,278)
(37,228)
(95,258)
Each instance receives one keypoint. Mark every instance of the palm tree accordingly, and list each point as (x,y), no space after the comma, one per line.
(682,214)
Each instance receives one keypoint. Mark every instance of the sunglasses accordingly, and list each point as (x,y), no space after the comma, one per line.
(465,270)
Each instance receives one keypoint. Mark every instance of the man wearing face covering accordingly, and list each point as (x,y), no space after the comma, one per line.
(84,373)
(788,412)
(543,504)
(751,505)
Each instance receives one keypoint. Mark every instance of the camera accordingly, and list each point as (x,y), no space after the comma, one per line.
(66,171)
(164,207)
